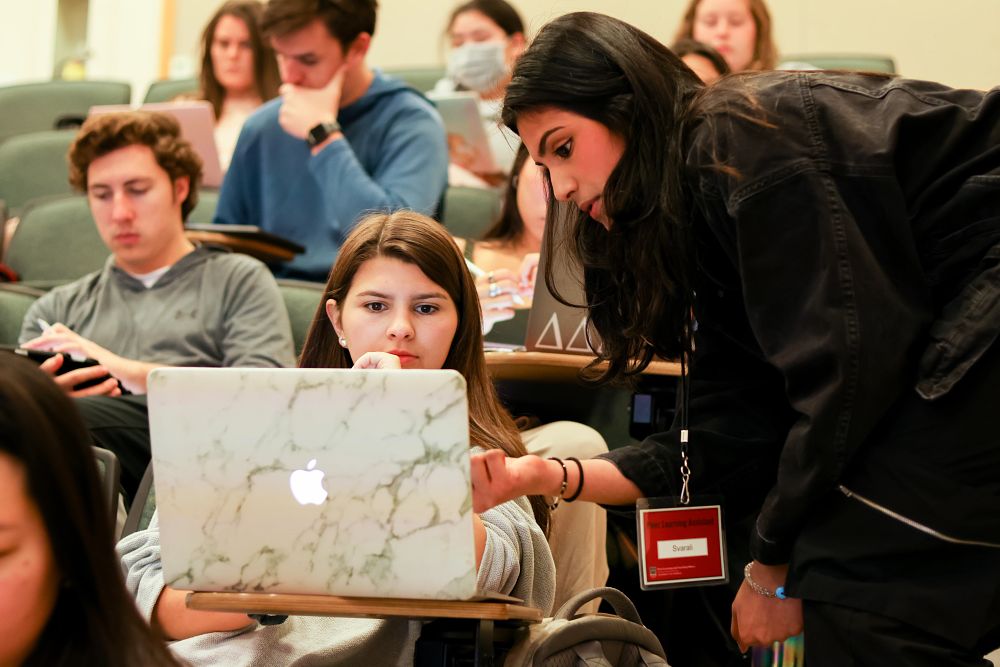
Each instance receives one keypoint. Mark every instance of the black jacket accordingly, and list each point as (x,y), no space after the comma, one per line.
(852,262)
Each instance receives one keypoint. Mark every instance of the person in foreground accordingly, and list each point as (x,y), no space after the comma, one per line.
(61,594)
(398,297)
(835,285)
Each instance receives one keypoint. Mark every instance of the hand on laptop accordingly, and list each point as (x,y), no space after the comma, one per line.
(497,478)
(304,108)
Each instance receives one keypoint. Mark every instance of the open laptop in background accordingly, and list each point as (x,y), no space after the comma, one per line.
(468,145)
(314,481)
(197,121)
(553,326)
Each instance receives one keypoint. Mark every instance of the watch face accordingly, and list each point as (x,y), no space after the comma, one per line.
(319,133)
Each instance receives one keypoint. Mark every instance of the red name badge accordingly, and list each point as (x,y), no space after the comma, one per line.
(680,545)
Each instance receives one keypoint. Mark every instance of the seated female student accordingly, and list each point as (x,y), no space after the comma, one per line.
(740,30)
(486,37)
(398,296)
(507,252)
(238,70)
(62,601)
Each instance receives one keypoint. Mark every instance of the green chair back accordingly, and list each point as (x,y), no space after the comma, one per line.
(203,213)
(56,242)
(36,107)
(421,78)
(848,61)
(140,513)
(166,90)
(109,472)
(469,211)
(34,165)
(15,299)
(301,301)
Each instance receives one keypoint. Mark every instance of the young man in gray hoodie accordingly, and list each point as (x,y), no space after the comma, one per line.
(159,300)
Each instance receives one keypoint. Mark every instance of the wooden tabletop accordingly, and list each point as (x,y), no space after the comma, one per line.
(332,605)
(262,250)
(554,366)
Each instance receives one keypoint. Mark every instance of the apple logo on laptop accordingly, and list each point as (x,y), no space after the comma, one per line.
(307,485)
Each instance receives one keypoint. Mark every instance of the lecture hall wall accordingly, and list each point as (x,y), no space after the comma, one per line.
(957,42)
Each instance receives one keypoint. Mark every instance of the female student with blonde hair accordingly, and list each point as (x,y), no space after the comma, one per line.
(740,30)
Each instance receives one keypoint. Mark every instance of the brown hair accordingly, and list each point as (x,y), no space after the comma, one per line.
(344,19)
(765,52)
(106,133)
(416,239)
(509,227)
(94,620)
(265,66)
(498,11)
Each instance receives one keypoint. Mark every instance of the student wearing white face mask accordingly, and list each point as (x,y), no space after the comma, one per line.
(486,37)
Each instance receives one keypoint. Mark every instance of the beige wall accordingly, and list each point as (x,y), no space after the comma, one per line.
(957,41)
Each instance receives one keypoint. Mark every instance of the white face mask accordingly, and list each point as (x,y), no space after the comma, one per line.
(477,65)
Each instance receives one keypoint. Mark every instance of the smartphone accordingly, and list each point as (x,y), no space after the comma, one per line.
(71,362)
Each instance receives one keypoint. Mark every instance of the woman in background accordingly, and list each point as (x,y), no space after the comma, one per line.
(238,70)
(507,252)
(398,296)
(485,38)
(740,30)
(703,60)
(62,599)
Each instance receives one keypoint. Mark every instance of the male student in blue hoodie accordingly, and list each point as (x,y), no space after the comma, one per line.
(341,139)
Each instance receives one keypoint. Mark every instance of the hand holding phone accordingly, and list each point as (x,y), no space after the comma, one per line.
(78,376)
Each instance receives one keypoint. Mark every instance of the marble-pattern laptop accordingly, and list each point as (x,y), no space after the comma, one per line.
(322,481)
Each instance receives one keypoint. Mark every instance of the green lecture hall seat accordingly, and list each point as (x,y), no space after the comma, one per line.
(166,90)
(34,165)
(35,107)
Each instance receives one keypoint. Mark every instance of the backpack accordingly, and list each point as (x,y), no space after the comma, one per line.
(589,640)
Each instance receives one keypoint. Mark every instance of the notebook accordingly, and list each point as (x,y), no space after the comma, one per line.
(314,481)
(197,121)
(468,144)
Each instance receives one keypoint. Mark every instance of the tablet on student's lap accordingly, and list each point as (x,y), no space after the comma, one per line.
(197,121)
(314,481)
(467,141)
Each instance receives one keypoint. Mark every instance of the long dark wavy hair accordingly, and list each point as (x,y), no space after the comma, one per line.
(265,65)
(509,226)
(416,239)
(638,275)
(94,620)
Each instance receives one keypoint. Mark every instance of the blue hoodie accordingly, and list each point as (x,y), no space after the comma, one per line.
(394,156)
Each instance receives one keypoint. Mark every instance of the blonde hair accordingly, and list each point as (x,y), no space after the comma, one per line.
(765,52)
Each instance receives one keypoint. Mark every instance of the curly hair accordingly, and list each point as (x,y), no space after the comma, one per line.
(107,133)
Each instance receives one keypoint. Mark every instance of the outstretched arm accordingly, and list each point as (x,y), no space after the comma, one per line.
(497,478)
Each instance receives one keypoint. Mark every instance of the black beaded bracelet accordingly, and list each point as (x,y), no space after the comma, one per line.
(579,487)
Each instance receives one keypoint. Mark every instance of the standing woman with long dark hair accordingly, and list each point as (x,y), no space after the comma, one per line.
(825,250)
(62,597)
